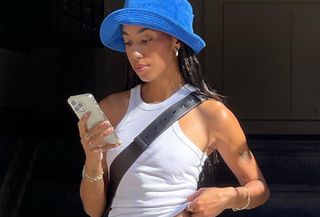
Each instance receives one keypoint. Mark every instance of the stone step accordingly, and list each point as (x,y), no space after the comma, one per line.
(8,146)
(285,201)
(54,185)
(290,167)
(282,161)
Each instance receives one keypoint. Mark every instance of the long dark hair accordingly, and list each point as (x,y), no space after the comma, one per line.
(191,72)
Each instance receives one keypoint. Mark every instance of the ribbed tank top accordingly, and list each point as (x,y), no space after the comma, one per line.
(161,179)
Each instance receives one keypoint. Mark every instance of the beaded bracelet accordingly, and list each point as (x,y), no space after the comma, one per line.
(246,204)
(91,179)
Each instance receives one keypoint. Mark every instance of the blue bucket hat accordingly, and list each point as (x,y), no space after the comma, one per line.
(174,17)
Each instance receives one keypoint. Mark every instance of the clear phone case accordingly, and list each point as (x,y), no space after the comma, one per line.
(84,103)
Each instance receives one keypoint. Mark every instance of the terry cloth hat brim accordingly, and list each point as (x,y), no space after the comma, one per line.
(111,32)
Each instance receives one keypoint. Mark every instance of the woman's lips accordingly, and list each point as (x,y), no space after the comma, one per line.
(141,67)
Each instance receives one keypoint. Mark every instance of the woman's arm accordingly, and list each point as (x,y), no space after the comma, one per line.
(92,187)
(233,148)
(93,191)
(227,137)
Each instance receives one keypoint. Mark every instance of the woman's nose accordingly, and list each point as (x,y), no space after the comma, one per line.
(136,52)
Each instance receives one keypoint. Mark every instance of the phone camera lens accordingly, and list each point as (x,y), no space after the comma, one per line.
(83,109)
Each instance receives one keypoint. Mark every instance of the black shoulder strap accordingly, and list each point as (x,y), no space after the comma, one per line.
(126,158)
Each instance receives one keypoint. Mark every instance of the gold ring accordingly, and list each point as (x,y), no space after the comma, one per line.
(91,144)
(189,209)
(86,136)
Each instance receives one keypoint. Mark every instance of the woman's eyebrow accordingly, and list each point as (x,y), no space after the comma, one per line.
(138,32)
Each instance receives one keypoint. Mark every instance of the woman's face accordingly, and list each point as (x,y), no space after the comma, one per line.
(151,53)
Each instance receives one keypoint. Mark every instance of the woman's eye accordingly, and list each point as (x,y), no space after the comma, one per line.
(145,41)
(127,43)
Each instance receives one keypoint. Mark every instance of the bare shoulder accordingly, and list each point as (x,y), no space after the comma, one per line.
(115,106)
(217,112)
(222,124)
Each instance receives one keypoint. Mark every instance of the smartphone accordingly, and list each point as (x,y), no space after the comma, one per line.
(84,103)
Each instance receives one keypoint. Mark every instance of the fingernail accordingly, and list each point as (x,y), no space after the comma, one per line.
(106,123)
(109,130)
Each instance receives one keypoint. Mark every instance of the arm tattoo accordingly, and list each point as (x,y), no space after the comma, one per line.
(246,154)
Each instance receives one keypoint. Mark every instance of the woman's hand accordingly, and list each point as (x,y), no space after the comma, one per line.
(210,202)
(92,140)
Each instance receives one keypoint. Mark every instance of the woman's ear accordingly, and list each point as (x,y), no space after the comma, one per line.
(177,44)
(177,47)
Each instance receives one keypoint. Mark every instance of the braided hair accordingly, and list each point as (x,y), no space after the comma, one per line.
(191,72)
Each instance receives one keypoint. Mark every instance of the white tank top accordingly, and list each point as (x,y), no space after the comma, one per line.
(161,179)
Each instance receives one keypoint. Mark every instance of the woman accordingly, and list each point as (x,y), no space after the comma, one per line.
(158,38)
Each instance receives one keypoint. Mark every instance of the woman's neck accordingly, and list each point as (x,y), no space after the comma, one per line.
(160,89)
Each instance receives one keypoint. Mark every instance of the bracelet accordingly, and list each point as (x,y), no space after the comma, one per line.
(246,204)
(91,179)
